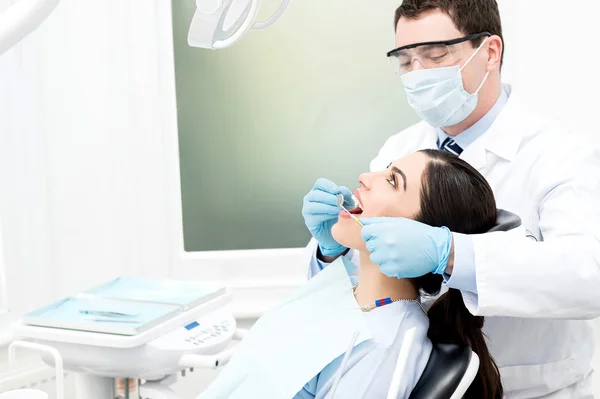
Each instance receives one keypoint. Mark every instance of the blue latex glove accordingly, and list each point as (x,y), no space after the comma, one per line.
(320,212)
(404,248)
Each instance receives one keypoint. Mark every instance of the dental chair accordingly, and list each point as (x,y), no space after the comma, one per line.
(452,368)
(449,372)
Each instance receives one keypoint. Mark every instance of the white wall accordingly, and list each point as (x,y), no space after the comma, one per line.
(553,57)
(82,159)
(86,103)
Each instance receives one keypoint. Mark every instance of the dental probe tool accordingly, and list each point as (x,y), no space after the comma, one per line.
(340,203)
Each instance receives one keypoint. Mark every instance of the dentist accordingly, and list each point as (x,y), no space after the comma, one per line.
(538,286)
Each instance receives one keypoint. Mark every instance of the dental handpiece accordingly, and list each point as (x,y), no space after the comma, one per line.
(340,203)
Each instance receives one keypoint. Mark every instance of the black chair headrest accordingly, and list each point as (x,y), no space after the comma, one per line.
(445,369)
(506,221)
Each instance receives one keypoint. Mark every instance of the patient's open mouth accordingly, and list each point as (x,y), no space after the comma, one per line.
(359,208)
(356,211)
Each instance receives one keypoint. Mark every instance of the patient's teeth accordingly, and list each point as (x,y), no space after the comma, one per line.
(357,202)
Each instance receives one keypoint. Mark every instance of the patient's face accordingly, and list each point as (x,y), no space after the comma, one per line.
(394,192)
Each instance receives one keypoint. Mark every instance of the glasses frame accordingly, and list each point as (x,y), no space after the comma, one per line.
(446,42)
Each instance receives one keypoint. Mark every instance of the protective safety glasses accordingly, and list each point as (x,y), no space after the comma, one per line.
(430,54)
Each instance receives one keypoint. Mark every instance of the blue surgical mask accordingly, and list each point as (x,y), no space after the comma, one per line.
(438,95)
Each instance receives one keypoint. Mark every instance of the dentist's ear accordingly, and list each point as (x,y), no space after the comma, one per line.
(495,47)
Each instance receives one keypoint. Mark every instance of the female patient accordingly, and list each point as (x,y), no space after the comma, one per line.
(438,189)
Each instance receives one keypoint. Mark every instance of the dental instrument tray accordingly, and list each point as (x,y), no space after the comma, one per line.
(136,338)
(124,306)
(184,294)
(101,315)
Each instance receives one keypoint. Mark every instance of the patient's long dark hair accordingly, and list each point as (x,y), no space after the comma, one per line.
(455,195)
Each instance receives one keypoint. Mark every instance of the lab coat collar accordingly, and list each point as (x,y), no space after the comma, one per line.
(506,133)
(504,136)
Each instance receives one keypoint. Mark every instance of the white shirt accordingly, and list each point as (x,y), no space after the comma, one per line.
(370,367)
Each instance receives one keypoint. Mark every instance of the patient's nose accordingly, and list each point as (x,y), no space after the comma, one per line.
(366,180)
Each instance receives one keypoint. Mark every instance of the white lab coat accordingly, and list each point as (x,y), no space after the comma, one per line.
(537,297)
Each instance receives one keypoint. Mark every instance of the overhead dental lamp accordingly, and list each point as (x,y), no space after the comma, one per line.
(21,19)
(220,23)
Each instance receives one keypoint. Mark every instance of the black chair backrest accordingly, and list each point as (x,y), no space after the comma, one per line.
(444,371)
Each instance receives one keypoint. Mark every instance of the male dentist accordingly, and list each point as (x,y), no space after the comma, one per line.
(538,286)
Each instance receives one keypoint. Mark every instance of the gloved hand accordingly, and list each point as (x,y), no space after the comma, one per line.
(404,248)
(320,212)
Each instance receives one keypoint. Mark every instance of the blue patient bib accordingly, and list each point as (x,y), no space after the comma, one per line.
(292,343)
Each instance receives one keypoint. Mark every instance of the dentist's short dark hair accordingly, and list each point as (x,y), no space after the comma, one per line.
(455,195)
(469,16)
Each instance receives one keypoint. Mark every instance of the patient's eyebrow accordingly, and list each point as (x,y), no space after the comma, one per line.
(401,173)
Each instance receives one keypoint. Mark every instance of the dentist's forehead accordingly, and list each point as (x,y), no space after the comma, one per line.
(431,26)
